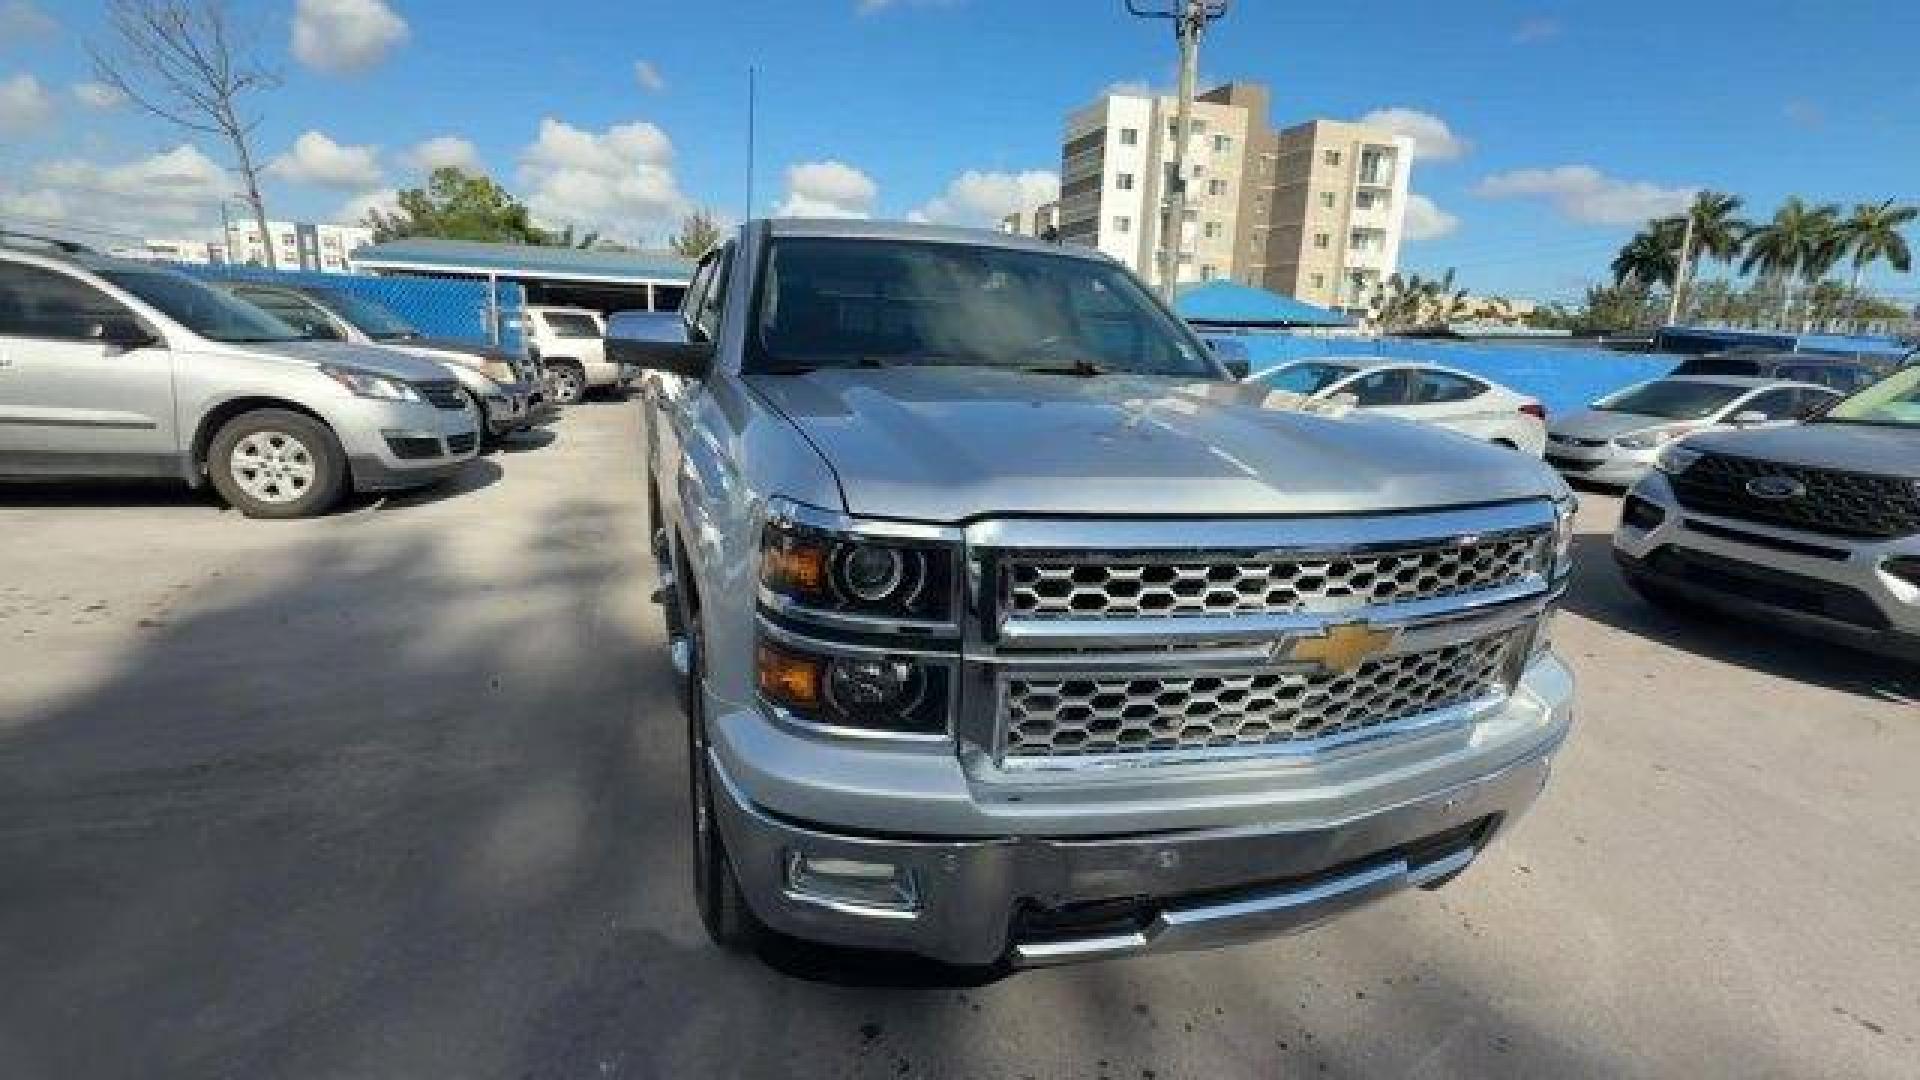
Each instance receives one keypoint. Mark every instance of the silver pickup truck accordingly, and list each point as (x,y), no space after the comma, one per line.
(1013,629)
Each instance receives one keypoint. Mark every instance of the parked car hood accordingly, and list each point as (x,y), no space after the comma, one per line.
(949,444)
(455,345)
(1848,447)
(375,358)
(1596,424)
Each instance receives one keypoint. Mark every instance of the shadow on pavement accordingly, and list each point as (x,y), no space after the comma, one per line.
(55,494)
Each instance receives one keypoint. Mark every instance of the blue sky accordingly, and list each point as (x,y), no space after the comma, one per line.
(1549,129)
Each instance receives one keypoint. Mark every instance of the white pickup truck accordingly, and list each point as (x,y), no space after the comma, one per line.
(571,342)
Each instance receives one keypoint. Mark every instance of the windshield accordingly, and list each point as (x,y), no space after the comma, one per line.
(1891,402)
(1672,400)
(206,311)
(829,302)
(1307,378)
(571,324)
(371,317)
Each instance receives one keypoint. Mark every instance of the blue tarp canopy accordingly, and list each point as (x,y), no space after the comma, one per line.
(1227,304)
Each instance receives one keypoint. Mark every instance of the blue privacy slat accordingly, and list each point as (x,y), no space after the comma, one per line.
(438,307)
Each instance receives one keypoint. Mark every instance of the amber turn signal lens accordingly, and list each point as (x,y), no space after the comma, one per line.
(788,679)
(791,566)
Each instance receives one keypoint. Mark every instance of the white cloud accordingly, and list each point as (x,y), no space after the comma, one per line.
(1426,221)
(1539,28)
(354,210)
(318,160)
(345,36)
(444,152)
(1586,194)
(648,76)
(171,192)
(827,189)
(618,182)
(983,198)
(1129,88)
(24,104)
(97,95)
(1432,139)
(21,21)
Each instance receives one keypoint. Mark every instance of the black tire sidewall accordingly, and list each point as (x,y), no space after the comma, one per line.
(578,374)
(330,463)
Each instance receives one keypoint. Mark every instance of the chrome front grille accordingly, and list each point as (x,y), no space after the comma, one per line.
(1094,713)
(1155,585)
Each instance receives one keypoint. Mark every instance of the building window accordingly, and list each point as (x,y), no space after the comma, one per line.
(1129,136)
(1123,181)
(1199,170)
(1190,214)
(1326,200)
(1364,200)
(1212,230)
(1331,157)
(1319,281)
(1186,258)
(1122,223)
(1222,143)
(1322,240)
(1208,272)
(1216,187)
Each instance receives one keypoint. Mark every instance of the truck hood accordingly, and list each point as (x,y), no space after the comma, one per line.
(375,358)
(1862,448)
(947,444)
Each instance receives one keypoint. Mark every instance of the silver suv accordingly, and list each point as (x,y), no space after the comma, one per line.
(1815,528)
(110,368)
(1012,629)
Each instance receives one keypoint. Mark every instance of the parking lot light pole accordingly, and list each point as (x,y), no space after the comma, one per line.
(1190,18)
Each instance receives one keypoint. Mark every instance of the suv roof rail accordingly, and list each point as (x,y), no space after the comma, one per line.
(11,238)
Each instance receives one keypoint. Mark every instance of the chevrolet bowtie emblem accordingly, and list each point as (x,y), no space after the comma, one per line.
(1340,649)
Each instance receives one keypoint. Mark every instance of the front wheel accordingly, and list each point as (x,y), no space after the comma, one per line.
(569,383)
(273,463)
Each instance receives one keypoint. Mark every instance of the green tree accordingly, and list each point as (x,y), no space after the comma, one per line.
(1798,239)
(1651,257)
(457,205)
(1873,234)
(1717,233)
(699,233)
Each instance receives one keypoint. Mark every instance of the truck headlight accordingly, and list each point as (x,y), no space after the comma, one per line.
(877,692)
(857,575)
(366,384)
(1676,459)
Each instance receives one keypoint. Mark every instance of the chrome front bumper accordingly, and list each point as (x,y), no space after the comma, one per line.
(1030,900)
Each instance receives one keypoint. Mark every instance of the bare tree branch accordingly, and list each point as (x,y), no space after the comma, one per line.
(188,63)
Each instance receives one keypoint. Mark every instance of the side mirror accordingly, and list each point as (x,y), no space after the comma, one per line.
(689,360)
(1750,418)
(124,333)
(1238,367)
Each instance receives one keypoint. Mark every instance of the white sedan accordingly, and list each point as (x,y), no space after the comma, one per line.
(1452,399)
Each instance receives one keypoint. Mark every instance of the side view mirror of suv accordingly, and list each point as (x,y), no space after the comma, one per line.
(687,359)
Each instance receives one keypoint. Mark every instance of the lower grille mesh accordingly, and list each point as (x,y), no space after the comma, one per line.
(1086,714)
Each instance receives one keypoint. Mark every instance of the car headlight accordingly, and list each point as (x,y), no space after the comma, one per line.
(880,578)
(876,692)
(366,384)
(1652,437)
(1676,459)
(1564,511)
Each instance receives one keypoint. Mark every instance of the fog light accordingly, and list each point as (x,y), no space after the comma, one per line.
(880,886)
(1642,514)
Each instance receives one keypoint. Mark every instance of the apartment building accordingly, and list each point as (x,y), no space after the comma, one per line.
(297,245)
(1042,220)
(1314,211)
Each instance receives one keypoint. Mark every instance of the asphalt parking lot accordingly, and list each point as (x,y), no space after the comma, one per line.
(399,793)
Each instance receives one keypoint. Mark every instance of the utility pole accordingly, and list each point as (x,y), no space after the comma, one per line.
(1680,270)
(1190,18)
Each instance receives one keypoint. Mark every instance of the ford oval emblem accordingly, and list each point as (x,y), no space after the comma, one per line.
(1775,488)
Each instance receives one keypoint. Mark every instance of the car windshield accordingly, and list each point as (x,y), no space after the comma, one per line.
(571,324)
(1307,378)
(834,302)
(1671,399)
(373,318)
(1891,402)
(214,315)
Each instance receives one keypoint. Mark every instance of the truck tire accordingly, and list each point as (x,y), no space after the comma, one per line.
(724,912)
(569,381)
(276,463)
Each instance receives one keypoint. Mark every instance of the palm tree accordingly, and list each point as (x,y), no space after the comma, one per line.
(1717,234)
(1652,256)
(1797,240)
(1873,235)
